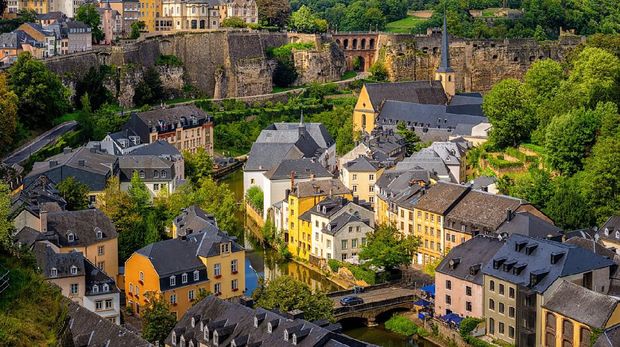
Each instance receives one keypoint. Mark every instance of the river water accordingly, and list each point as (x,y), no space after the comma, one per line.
(265,263)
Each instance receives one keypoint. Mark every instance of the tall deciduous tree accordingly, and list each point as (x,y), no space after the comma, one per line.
(197,165)
(412,140)
(6,227)
(150,90)
(274,12)
(388,248)
(286,294)
(157,320)
(303,20)
(8,114)
(89,15)
(75,193)
(595,76)
(42,97)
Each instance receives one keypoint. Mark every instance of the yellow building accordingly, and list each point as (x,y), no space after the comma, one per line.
(304,196)
(573,314)
(429,214)
(360,176)
(149,10)
(179,269)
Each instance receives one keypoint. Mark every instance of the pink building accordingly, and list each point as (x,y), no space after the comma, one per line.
(459,279)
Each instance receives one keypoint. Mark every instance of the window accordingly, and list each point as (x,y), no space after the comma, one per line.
(141,173)
(100,250)
(492,286)
(53,272)
(468,306)
(218,288)
(511,312)
(190,295)
(217,271)
(95,289)
(370,188)
(448,284)
(141,276)
(350,229)
(156,174)
(98,305)
(156,186)
(74,288)
(225,247)
(130,287)
(345,244)
(354,177)
(196,275)
(233,266)
(501,307)
(74,270)
(491,304)
(234,284)
(371,177)
(511,332)
(184,278)
(108,304)
(98,234)
(511,293)
(163,174)
(501,328)
(468,290)
(173,299)
(501,289)
(173,281)
(363,241)
(354,188)
(448,299)
(70,237)
(101,265)
(354,243)
(137,291)
(491,326)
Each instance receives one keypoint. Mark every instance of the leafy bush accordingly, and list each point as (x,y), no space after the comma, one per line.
(468,325)
(379,71)
(500,163)
(285,52)
(333,264)
(404,326)
(359,272)
(168,60)
(255,197)
(234,22)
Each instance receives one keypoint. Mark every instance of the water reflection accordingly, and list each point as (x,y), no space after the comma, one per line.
(380,336)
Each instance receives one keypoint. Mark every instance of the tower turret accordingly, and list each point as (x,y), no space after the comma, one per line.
(444,72)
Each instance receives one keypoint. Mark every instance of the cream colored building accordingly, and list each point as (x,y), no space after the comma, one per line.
(244,9)
(360,176)
(188,15)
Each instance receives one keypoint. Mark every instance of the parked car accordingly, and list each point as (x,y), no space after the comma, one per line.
(351,301)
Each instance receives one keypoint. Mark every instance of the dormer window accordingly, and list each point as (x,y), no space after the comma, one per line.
(163,174)
(53,272)
(71,237)
(196,275)
(215,338)
(193,322)
(225,248)
(173,281)
(606,231)
(184,278)
(174,338)
(206,334)
(142,174)
(95,289)
(74,270)
(454,263)
(106,287)
(98,233)
(285,335)
(618,234)
(156,174)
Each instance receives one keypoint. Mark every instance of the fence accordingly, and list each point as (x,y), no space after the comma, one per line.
(4,279)
(373,305)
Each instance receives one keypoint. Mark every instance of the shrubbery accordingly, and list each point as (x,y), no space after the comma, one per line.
(404,326)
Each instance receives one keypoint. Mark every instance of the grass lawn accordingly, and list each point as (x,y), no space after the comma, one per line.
(403,26)
(347,75)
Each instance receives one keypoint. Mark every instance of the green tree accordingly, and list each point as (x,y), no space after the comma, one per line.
(509,112)
(594,76)
(567,205)
(136,29)
(274,12)
(284,74)
(536,186)
(197,165)
(93,84)
(139,193)
(303,20)
(3,5)
(388,248)
(412,140)
(601,178)
(30,79)
(255,197)
(543,78)
(6,227)
(89,15)
(234,22)
(378,71)
(157,320)
(150,90)
(286,294)
(107,120)
(8,115)
(75,193)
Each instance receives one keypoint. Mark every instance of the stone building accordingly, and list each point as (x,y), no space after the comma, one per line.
(189,15)
(244,9)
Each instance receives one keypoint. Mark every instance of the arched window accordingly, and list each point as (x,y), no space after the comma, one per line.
(346,43)
(363,44)
(584,336)
(106,287)
(363,121)
(567,333)
(95,289)
(354,43)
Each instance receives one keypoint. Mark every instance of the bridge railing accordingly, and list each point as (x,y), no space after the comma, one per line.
(364,290)
(372,305)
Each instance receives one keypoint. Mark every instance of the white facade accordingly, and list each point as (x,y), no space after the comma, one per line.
(106,305)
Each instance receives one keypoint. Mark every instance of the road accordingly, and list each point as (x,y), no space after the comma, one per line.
(24,152)
(377,295)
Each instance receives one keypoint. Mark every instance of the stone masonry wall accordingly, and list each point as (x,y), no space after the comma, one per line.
(325,64)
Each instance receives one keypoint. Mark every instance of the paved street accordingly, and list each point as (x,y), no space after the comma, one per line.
(378,295)
(34,146)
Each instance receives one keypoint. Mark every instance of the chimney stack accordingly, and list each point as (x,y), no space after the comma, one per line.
(292,180)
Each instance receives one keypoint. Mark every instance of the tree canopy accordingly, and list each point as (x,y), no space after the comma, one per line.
(157,320)
(149,90)
(234,22)
(89,15)
(74,192)
(8,115)
(303,20)
(386,247)
(286,294)
(198,165)
(274,12)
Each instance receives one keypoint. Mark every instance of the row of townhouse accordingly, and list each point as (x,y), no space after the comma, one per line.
(533,291)
(150,145)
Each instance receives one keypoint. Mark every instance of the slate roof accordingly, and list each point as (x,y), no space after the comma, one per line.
(185,251)
(425,116)
(158,148)
(404,188)
(441,197)
(26,237)
(143,162)
(423,92)
(194,219)
(55,15)
(525,223)
(469,258)
(303,168)
(172,114)
(233,321)
(482,182)
(47,259)
(320,187)
(264,156)
(609,338)
(570,260)
(96,277)
(362,164)
(341,221)
(586,306)
(482,211)
(38,193)
(591,245)
(89,329)
(332,205)
(16,38)
(317,130)
(611,229)
(83,224)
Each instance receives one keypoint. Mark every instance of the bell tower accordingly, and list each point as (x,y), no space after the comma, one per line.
(444,72)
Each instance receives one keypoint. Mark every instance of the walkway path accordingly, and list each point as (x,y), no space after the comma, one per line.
(24,152)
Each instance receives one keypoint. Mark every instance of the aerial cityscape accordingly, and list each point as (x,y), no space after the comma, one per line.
(322,173)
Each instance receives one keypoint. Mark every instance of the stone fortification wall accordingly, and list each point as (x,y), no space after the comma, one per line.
(324,64)
(479,64)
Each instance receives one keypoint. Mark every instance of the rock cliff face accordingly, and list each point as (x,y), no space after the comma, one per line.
(479,64)
(324,64)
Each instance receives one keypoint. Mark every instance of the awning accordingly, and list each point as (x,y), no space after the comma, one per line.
(422,303)
(452,318)
(430,289)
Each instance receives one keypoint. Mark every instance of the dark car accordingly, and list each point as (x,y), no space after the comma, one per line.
(351,301)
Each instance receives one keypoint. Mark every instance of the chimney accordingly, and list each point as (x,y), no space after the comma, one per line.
(295,314)
(66,150)
(43,221)
(292,180)
(53,163)
(82,162)
(509,215)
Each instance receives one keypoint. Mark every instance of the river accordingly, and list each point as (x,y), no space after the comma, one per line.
(264,263)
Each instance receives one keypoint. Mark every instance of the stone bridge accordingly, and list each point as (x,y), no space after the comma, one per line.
(358,45)
(378,301)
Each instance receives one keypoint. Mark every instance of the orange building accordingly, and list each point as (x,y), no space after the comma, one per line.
(179,269)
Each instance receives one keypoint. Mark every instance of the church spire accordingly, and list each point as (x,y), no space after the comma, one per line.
(444,65)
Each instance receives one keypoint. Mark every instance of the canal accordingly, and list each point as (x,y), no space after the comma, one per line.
(266,264)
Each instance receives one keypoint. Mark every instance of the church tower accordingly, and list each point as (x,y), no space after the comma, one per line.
(444,72)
